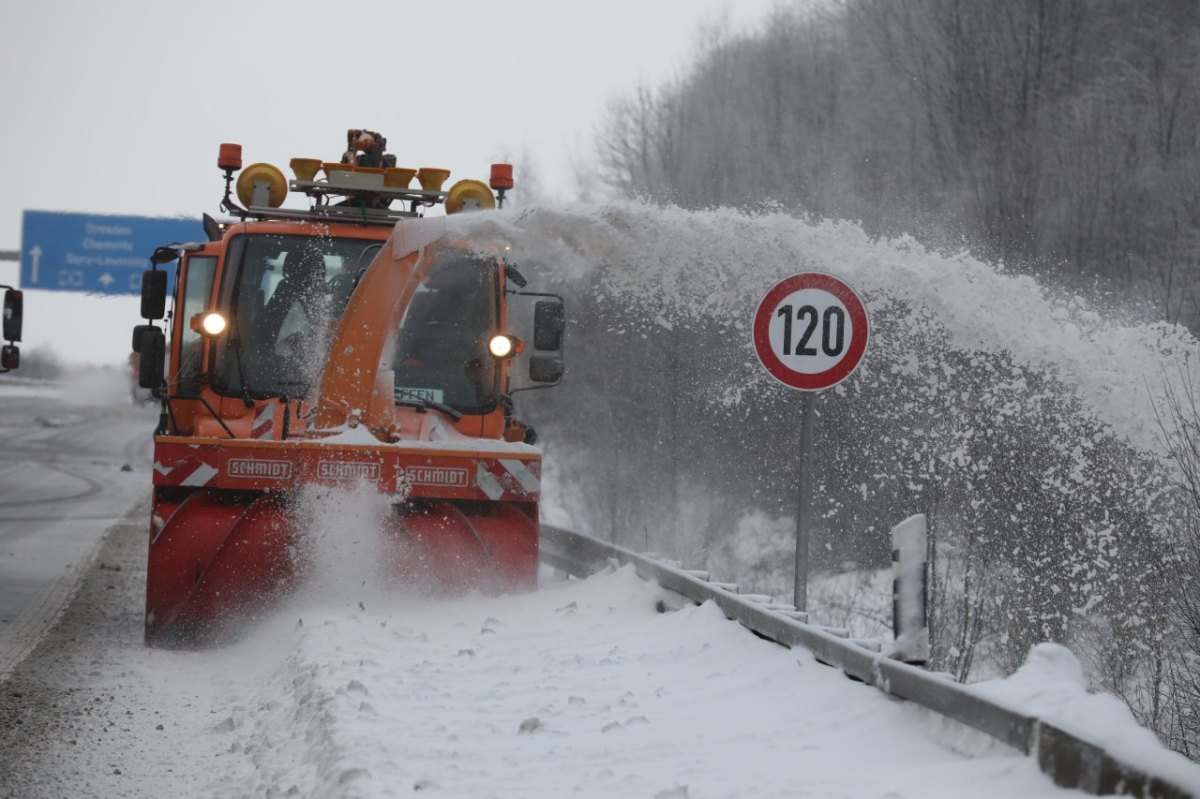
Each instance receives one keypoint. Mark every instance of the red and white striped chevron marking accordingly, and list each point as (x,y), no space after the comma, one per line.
(264,422)
(506,476)
(198,469)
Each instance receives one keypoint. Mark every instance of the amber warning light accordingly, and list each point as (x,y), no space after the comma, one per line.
(501,181)
(230,157)
(502,178)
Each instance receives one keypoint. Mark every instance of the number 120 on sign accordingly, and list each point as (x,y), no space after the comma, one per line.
(810,331)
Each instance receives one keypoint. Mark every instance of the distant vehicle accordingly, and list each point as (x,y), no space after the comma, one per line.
(10,355)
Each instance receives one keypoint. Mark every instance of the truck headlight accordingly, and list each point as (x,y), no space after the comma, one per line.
(504,346)
(213,324)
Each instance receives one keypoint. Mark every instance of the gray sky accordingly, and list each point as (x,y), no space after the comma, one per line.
(119,107)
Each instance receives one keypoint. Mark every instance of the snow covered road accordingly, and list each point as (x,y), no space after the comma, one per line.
(581,688)
(62,451)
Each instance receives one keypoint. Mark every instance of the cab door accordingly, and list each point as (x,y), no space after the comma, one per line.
(189,355)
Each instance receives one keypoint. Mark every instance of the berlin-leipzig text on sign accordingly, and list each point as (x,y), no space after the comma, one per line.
(95,253)
(810,331)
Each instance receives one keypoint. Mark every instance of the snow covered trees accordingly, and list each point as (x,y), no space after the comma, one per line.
(1058,135)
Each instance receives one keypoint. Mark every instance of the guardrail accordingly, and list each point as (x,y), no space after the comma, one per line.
(1071,761)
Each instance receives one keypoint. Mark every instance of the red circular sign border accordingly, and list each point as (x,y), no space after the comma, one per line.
(818,381)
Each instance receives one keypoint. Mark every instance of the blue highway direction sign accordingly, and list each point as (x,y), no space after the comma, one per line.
(97,254)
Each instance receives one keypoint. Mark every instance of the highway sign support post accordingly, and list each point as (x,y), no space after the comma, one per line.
(804,502)
(810,332)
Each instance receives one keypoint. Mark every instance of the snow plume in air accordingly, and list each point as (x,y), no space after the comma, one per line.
(1022,420)
(670,266)
(354,547)
(95,387)
(341,551)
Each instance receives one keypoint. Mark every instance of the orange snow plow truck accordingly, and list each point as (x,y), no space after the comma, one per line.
(347,344)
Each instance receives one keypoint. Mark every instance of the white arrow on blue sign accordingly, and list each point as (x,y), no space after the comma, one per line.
(95,253)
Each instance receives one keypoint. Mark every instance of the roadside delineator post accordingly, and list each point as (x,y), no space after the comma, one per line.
(910,580)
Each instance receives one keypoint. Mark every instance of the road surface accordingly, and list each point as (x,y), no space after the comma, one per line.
(72,459)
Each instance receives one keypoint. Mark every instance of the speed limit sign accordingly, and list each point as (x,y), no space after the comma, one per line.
(810,331)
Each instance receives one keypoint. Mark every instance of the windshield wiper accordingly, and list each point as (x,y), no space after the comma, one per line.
(411,398)
(247,400)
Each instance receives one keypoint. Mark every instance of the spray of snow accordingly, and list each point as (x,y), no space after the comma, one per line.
(715,265)
(91,387)
(341,549)
(1024,418)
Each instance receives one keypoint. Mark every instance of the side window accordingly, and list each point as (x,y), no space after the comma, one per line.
(197,288)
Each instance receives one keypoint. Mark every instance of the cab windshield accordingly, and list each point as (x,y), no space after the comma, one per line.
(287,293)
(441,352)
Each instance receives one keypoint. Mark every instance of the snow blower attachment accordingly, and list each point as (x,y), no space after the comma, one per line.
(350,344)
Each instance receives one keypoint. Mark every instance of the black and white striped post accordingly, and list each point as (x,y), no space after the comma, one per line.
(910,580)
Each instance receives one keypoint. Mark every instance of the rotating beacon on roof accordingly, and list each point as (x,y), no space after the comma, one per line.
(350,343)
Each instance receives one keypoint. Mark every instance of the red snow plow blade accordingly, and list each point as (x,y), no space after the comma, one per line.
(227,536)
(225,559)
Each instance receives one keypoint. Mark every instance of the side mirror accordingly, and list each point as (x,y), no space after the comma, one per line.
(152,351)
(154,293)
(138,332)
(545,368)
(548,325)
(14,302)
(10,357)
(514,274)
(212,228)
(164,255)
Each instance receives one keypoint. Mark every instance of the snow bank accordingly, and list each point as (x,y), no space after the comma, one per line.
(538,695)
(581,688)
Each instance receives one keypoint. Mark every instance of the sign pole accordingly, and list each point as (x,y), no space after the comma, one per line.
(804,500)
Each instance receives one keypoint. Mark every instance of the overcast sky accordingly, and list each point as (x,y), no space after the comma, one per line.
(119,107)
